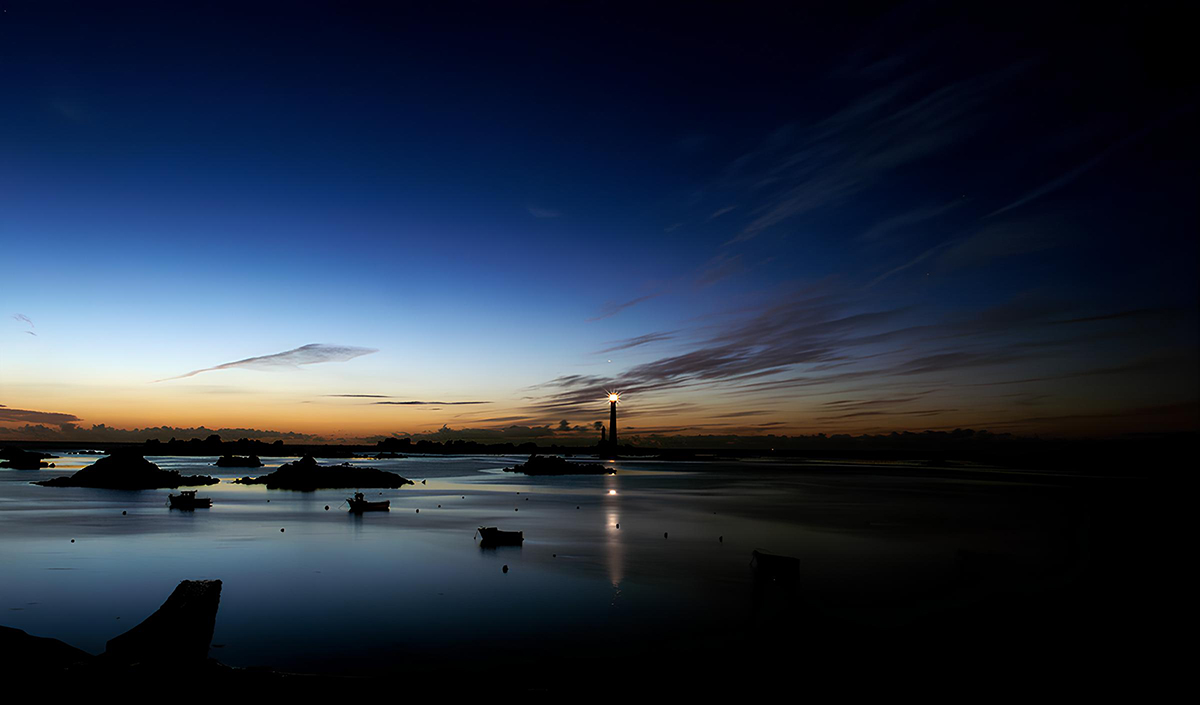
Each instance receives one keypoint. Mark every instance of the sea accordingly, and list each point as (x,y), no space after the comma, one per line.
(653,557)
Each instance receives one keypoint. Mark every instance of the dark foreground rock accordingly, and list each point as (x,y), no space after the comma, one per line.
(127,470)
(18,459)
(306,475)
(239,461)
(554,465)
(177,634)
(20,651)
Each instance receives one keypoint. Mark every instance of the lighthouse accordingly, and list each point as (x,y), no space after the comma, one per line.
(612,420)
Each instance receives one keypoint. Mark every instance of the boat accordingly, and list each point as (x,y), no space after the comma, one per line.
(491,536)
(187,499)
(773,567)
(359,504)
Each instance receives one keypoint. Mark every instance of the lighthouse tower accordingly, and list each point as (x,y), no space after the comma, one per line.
(612,421)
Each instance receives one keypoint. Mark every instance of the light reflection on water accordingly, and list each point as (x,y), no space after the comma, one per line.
(337,591)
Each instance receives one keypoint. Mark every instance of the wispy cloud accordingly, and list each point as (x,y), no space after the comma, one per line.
(612,308)
(639,341)
(430,403)
(8,415)
(25,319)
(311,354)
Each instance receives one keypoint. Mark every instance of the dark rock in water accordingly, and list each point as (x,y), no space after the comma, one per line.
(554,465)
(178,634)
(127,470)
(18,459)
(238,461)
(22,652)
(305,475)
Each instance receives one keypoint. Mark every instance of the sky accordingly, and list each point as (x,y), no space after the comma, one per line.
(349,221)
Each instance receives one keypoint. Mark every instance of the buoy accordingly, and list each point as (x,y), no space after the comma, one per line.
(326,507)
(72,540)
(618,526)
(526,499)
(721,539)
(418,511)
(505,569)
(439,506)
(577,506)
(123,513)
(281,531)
(268,501)
(664,534)
(554,555)
(422,482)
(515,509)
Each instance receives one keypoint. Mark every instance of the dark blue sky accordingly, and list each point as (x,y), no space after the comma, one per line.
(804,218)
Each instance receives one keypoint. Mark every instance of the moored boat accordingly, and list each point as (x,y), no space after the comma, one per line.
(359,504)
(491,536)
(187,499)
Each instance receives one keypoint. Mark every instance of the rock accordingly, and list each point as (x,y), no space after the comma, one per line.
(238,461)
(306,475)
(177,634)
(21,652)
(127,470)
(554,465)
(18,459)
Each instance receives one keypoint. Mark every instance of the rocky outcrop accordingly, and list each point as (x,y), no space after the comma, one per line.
(18,459)
(306,475)
(178,634)
(554,465)
(127,470)
(22,652)
(239,461)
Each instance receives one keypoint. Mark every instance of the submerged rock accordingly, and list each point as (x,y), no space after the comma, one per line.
(127,470)
(554,465)
(177,634)
(306,475)
(239,461)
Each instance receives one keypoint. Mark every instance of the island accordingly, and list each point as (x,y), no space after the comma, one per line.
(18,459)
(554,465)
(238,461)
(305,475)
(127,470)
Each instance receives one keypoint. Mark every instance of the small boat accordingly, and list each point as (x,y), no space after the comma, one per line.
(359,504)
(187,499)
(491,536)
(773,567)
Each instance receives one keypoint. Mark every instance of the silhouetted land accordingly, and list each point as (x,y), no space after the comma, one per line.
(238,461)
(18,459)
(306,475)
(127,470)
(957,449)
(554,465)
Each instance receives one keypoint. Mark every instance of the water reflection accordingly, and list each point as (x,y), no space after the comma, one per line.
(614,550)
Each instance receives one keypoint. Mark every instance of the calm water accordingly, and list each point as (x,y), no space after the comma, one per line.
(342,593)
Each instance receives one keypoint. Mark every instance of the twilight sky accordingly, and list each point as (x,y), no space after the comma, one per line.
(351,220)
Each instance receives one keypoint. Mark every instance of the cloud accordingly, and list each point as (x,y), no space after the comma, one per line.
(638,341)
(542,212)
(8,415)
(311,354)
(800,169)
(25,319)
(906,220)
(722,211)
(432,403)
(102,433)
(612,308)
